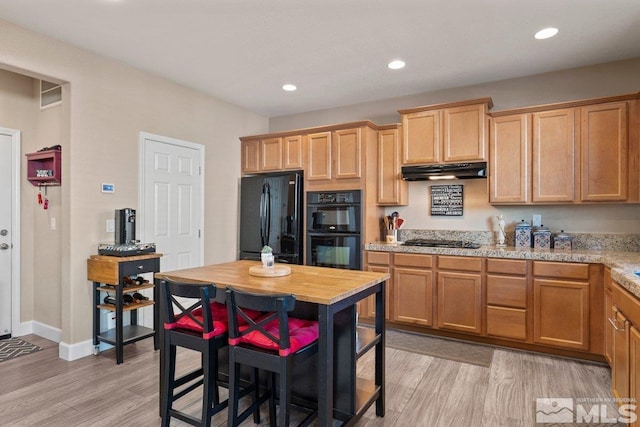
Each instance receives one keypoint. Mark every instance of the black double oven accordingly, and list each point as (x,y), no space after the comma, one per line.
(334,236)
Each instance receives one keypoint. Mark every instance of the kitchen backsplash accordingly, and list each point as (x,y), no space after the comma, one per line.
(581,241)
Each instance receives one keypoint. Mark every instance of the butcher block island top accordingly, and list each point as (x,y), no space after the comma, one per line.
(319,285)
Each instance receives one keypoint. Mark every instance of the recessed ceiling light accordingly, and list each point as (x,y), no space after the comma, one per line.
(546,33)
(396,64)
(289,87)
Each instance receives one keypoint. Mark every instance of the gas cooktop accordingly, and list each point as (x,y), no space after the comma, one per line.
(442,243)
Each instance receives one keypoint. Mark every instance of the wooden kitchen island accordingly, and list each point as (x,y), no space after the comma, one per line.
(333,293)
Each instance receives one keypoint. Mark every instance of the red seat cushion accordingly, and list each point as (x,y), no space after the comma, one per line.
(301,333)
(220,320)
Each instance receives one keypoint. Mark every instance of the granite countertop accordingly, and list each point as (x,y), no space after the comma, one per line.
(623,264)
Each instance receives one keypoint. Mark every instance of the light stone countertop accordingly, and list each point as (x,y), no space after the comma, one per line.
(623,264)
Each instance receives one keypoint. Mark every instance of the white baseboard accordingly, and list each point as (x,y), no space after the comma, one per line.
(39,329)
(75,351)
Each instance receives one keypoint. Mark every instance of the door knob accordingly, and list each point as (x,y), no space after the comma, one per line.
(4,246)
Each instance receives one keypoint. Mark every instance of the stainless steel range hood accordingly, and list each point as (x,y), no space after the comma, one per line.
(448,171)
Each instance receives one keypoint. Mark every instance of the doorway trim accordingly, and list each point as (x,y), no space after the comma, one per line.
(17,328)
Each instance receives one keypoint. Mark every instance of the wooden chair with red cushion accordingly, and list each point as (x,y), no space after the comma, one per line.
(193,320)
(274,342)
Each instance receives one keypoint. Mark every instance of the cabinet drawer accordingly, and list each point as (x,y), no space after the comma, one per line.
(506,266)
(507,322)
(413,260)
(507,291)
(627,304)
(561,269)
(378,258)
(459,263)
(131,268)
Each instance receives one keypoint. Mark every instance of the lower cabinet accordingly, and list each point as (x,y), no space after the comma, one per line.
(507,304)
(623,323)
(413,289)
(542,305)
(460,294)
(561,315)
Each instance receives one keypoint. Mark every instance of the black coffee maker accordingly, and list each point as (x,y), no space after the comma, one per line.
(125,226)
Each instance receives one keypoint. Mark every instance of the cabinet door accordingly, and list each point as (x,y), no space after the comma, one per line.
(604,173)
(510,159)
(250,156)
(319,159)
(421,137)
(554,156)
(634,370)
(292,152)
(459,302)
(464,133)
(348,153)
(392,189)
(620,367)
(561,313)
(271,153)
(413,296)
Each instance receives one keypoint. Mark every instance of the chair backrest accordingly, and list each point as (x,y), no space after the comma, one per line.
(197,316)
(276,306)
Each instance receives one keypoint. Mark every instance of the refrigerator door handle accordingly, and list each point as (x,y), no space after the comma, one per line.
(268,214)
(262,215)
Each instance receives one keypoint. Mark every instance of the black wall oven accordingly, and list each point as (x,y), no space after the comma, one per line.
(333,229)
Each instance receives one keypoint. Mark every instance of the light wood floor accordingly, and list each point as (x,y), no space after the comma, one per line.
(42,390)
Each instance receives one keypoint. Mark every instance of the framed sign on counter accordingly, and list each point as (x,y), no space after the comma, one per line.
(447,200)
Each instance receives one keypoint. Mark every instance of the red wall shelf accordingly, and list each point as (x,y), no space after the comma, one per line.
(45,167)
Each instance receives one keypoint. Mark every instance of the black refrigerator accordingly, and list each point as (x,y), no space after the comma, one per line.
(271,214)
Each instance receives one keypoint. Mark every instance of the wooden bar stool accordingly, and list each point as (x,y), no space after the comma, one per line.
(274,342)
(201,326)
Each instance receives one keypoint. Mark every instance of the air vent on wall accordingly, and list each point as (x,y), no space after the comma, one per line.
(50,94)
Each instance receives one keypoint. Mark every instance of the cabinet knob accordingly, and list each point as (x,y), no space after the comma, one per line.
(4,246)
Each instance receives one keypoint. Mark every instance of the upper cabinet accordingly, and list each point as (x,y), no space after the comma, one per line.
(392,189)
(578,152)
(271,154)
(446,133)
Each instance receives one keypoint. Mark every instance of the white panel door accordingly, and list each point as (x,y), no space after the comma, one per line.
(6,232)
(172,192)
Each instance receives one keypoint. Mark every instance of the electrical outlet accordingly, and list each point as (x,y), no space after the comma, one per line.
(52,224)
(537,220)
(111,225)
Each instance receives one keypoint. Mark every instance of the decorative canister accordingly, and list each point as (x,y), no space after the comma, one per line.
(523,235)
(562,241)
(541,238)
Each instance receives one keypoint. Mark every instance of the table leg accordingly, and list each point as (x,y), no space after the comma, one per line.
(119,327)
(96,314)
(380,348)
(325,366)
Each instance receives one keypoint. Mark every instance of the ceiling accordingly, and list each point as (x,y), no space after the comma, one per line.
(336,51)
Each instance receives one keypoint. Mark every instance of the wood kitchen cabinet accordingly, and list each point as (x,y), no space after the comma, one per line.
(554,156)
(378,262)
(271,154)
(459,294)
(623,321)
(335,155)
(561,304)
(510,159)
(412,295)
(604,152)
(575,152)
(507,299)
(392,189)
(609,332)
(446,133)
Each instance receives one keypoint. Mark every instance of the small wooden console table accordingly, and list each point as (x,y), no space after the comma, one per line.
(107,274)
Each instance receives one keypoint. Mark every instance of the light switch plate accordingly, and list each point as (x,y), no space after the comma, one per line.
(111,225)
(537,220)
